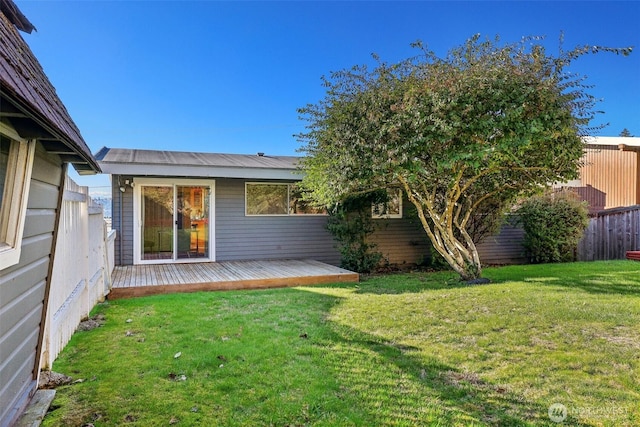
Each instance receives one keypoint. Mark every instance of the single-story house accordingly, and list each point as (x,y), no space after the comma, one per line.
(610,175)
(38,140)
(171,206)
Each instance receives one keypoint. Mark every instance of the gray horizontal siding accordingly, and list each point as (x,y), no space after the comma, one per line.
(404,241)
(401,240)
(123,226)
(505,247)
(22,288)
(267,237)
(240,237)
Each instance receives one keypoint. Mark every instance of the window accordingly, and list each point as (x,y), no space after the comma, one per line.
(16,160)
(267,199)
(392,208)
(277,199)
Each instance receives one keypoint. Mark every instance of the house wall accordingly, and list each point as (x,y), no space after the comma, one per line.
(240,237)
(267,237)
(401,240)
(122,220)
(237,237)
(504,247)
(610,178)
(22,289)
(404,241)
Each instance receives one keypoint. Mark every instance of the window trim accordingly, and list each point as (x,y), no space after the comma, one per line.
(374,215)
(246,198)
(13,209)
(289,196)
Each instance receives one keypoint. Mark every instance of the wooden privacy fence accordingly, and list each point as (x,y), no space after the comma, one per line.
(610,234)
(81,274)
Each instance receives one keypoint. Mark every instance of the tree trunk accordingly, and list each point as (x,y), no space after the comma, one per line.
(462,256)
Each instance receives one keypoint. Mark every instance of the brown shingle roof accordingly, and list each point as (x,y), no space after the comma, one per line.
(28,95)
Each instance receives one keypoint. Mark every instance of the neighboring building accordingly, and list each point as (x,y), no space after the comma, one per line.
(610,177)
(38,140)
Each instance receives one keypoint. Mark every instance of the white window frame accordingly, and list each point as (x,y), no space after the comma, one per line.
(398,215)
(246,193)
(16,195)
(289,193)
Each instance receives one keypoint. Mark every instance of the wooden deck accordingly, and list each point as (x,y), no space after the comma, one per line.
(140,280)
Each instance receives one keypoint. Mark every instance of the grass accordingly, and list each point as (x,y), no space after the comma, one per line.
(396,350)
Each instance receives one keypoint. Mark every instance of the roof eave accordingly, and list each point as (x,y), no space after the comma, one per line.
(201,171)
(82,160)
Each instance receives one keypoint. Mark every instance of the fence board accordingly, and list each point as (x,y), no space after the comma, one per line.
(81,274)
(610,234)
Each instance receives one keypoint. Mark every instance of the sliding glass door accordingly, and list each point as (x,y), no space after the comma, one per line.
(157,223)
(192,224)
(174,221)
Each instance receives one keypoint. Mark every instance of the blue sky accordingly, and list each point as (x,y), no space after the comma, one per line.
(229,76)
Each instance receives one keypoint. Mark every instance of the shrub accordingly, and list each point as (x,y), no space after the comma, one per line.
(350,223)
(553,225)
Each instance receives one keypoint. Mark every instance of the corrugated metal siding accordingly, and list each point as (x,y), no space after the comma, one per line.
(22,288)
(610,178)
(241,237)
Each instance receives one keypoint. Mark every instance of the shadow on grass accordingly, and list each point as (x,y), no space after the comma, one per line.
(384,383)
(394,384)
(415,282)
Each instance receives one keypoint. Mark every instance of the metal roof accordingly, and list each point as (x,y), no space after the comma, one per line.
(124,161)
(28,99)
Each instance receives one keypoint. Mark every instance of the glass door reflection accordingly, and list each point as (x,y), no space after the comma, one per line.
(157,222)
(192,221)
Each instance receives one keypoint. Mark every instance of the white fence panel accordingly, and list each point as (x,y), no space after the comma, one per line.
(81,275)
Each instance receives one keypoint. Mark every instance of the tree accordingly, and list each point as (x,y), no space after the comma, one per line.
(625,132)
(459,135)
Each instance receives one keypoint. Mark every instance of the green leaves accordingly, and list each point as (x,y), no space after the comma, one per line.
(553,223)
(479,127)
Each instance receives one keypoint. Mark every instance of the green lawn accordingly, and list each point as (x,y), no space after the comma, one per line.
(398,350)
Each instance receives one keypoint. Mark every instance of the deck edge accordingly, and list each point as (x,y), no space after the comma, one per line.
(281,282)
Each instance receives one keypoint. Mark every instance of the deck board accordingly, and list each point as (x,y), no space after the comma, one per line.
(152,279)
